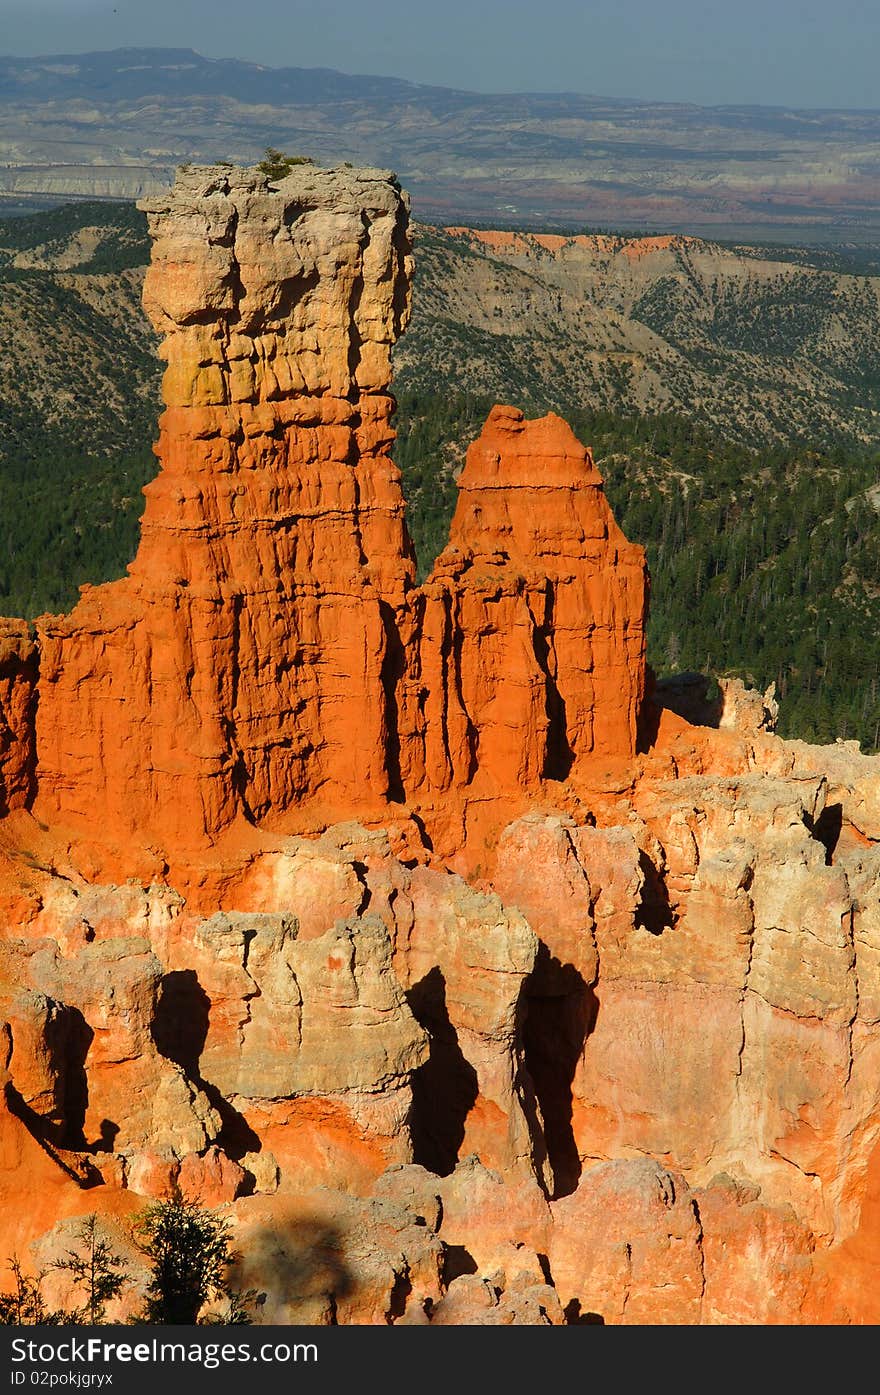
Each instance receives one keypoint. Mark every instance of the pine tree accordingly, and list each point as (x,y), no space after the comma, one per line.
(190,1254)
(98,1273)
(25,1306)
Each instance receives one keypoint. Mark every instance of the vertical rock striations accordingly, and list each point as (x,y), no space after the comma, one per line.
(533,646)
(268,648)
(18,681)
(239,667)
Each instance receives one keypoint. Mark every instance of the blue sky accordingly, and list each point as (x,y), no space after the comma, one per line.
(781,52)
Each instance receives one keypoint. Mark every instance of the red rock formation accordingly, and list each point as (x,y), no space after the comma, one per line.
(18,676)
(567,1031)
(268,650)
(240,667)
(532,656)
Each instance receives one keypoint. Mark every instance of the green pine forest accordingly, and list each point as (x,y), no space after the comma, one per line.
(764,559)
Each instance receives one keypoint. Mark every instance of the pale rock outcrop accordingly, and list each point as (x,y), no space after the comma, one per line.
(744,709)
(460,957)
(323,1257)
(82,1052)
(626,1246)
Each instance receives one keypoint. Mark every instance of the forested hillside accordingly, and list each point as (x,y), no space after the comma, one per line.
(763,541)
(79,383)
(765,564)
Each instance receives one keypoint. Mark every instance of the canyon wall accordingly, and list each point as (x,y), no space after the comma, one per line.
(408,924)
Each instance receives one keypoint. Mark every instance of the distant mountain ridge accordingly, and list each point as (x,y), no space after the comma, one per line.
(133,72)
(116,123)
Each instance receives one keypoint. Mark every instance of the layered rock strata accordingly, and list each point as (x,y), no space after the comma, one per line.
(238,668)
(269,650)
(476,984)
(532,653)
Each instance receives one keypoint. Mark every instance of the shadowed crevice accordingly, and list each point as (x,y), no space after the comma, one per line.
(393,664)
(445,1087)
(180,1022)
(561,1013)
(558,755)
(400,1292)
(826,829)
(79,1170)
(654,912)
(180,1030)
(575,1318)
(457,1260)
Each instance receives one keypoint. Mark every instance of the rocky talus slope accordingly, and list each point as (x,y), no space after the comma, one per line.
(475,977)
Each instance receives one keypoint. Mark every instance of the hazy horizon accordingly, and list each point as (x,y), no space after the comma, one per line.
(796,53)
(402,77)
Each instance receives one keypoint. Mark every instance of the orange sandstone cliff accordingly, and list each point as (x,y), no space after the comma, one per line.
(404,923)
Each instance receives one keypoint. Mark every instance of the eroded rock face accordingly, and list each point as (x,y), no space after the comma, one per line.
(383,1026)
(240,667)
(533,645)
(268,651)
(353,907)
(18,679)
(82,1055)
(701,1105)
